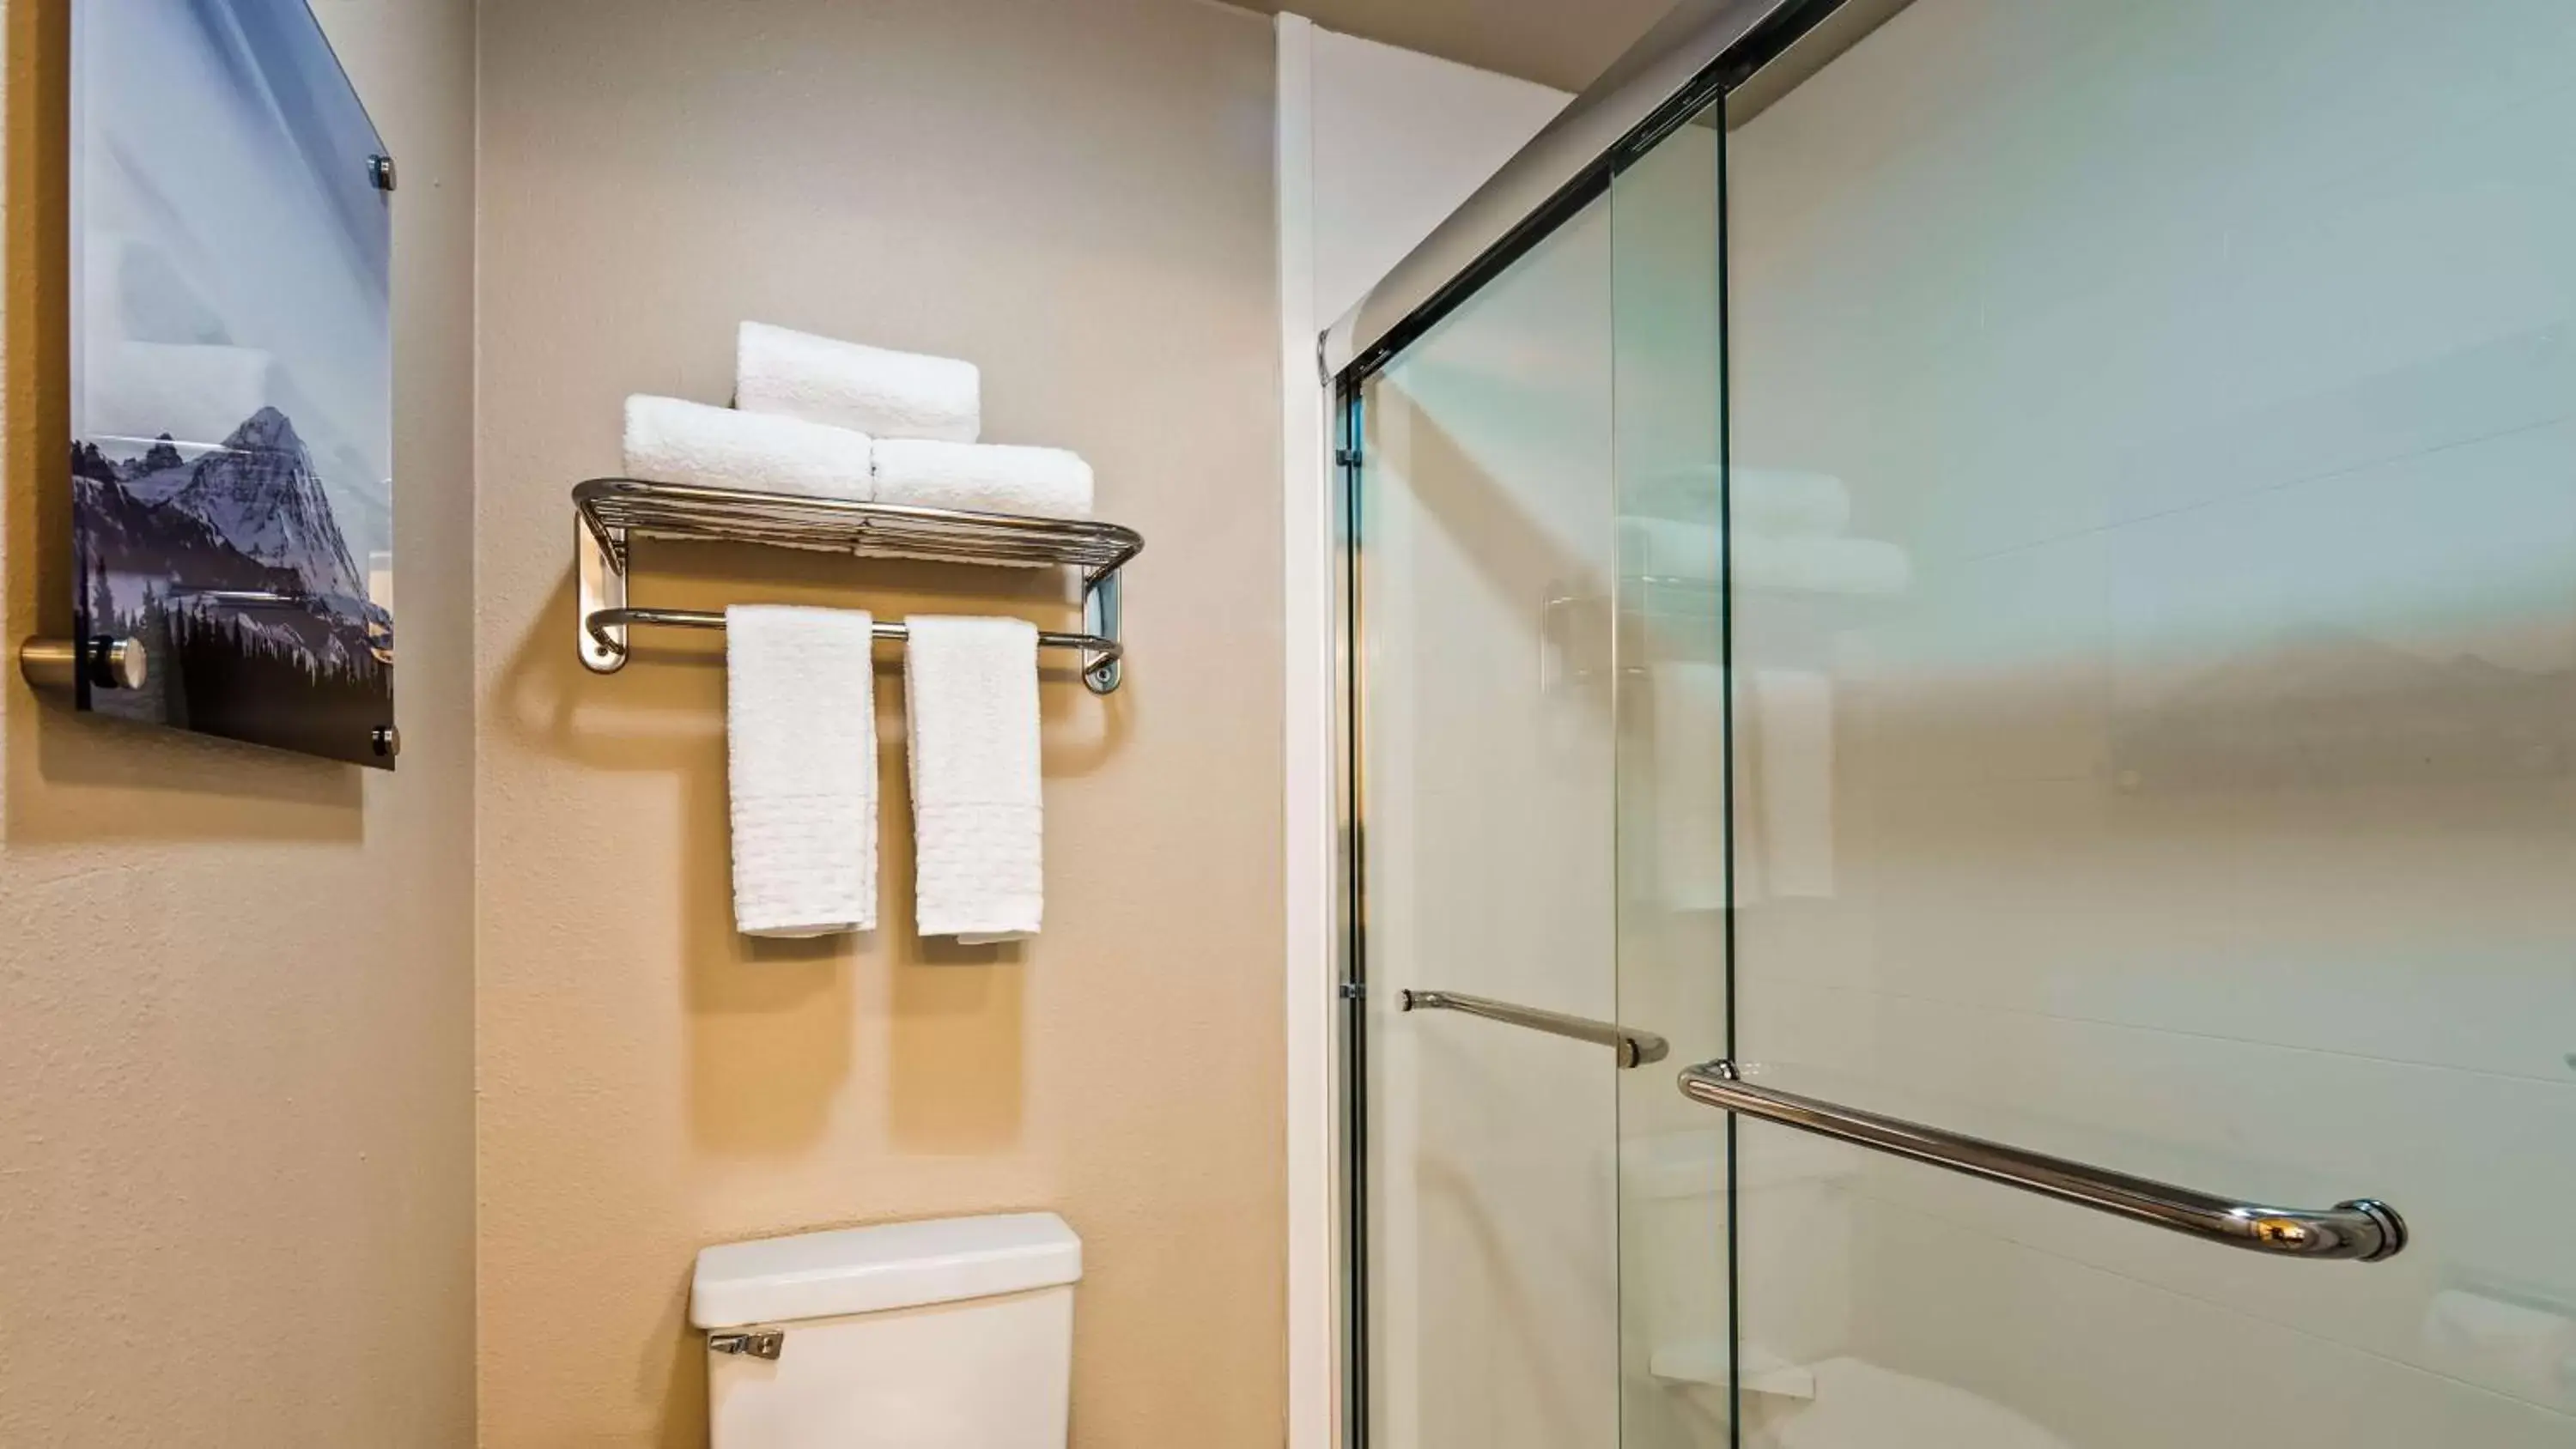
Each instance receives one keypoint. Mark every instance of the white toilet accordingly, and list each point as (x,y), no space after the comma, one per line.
(955,1333)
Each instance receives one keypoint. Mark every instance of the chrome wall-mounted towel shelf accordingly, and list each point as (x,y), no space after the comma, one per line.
(611,511)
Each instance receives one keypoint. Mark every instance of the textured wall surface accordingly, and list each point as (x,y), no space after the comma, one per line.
(236,1097)
(1078,197)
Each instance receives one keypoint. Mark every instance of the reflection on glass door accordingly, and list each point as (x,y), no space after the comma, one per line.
(2025,583)
(1485,561)
(1676,1353)
(2175,769)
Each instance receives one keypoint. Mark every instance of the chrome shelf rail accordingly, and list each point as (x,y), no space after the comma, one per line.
(2364,1230)
(1635,1048)
(611,512)
(606,620)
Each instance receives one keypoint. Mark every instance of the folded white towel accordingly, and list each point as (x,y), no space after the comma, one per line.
(970,689)
(801,746)
(670,441)
(1858,567)
(1767,500)
(870,390)
(1785,813)
(1666,548)
(1782,501)
(1670,548)
(983,478)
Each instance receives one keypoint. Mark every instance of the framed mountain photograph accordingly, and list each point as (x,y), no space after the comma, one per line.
(232,374)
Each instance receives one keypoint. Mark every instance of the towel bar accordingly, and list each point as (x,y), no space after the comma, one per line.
(610,512)
(603,621)
(1635,1048)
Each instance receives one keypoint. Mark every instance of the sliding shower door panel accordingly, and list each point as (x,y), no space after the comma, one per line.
(1485,559)
(2152,456)
(1670,701)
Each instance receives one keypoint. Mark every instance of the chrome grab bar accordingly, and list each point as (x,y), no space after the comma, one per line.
(2364,1229)
(1635,1048)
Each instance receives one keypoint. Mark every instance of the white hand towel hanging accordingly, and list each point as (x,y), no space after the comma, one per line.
(671,441)
(971,706)
(1784,784)
(983,478)
(801,746)
(1785,823)
(1690,784)
(873,390)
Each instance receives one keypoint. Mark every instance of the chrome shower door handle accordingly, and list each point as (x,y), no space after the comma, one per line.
(2364,1230)
(1635,1048)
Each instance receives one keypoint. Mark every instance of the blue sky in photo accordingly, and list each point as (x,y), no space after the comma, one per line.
(229,251)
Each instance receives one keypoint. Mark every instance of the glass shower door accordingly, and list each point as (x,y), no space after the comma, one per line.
(1483,560)
(2152,437)
(1670,698)
(1538,663)
(2020,590)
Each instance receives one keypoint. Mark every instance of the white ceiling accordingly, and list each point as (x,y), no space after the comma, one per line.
(1561,43)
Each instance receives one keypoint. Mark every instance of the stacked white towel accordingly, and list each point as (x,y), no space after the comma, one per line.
(671,441)
(1784,501)
(838,419)
(924,414)
(871,390)
(983,477)
(971,710)
(1855,567)
(1793,563)
(801,741)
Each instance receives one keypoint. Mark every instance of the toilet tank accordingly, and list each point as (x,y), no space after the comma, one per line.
(953,1333)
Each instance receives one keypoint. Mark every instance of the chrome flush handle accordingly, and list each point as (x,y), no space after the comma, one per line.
(757,1342)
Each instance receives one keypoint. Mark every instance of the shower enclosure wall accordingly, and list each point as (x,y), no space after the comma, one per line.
(1999,578)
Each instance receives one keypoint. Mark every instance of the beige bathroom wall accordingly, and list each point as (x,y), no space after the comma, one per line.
(1076,195)
(236,1101)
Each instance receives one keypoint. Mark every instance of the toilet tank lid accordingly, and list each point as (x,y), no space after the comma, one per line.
(893,1265)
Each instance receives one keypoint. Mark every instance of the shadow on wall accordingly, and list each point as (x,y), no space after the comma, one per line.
(771,1025)
(86,780)
(769,1048)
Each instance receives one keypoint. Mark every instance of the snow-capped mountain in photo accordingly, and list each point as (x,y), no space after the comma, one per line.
(259,493)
